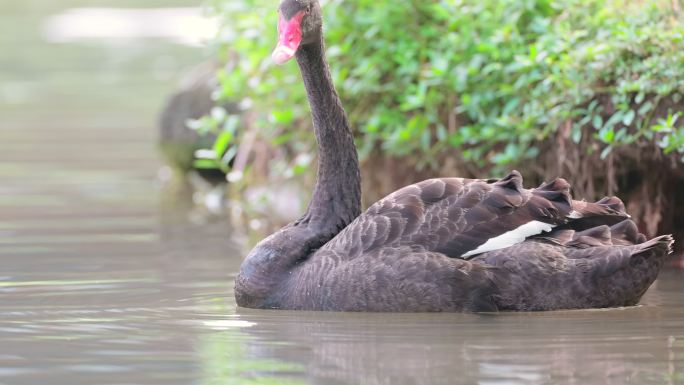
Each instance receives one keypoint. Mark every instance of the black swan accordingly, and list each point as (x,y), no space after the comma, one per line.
(447,244)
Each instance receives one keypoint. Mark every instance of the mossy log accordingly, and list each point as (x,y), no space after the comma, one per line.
(192,100)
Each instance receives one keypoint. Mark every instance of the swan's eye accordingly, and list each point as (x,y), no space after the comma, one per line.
(308,9)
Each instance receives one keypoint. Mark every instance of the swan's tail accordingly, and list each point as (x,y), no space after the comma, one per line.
(663,242)
(603,266)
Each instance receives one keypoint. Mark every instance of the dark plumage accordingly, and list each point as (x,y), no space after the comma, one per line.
(447,244)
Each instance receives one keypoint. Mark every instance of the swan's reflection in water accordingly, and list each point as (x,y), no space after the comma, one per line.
(618,346)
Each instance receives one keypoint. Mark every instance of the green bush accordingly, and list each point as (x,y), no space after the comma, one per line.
(491,78)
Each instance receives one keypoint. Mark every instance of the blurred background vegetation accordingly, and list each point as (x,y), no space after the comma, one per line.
(588,90)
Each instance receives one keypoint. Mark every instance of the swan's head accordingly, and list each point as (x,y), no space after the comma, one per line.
(299,23)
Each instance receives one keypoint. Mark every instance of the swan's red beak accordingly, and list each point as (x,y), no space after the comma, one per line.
(289,38)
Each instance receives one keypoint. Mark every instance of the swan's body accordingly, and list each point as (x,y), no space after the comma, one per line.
(440,245)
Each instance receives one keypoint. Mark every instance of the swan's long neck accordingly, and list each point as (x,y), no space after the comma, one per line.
(336,199)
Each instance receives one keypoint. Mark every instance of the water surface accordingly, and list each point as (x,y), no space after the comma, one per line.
(107,278)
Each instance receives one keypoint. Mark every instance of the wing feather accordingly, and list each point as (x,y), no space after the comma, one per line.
(455,216)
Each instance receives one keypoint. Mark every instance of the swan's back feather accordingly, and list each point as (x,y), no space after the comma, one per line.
(456,216)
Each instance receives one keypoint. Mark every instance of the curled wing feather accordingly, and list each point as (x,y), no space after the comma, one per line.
(454,216)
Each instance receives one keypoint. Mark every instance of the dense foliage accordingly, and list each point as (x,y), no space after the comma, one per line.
(493,78)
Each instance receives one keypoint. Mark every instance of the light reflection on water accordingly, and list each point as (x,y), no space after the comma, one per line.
(182,25)
(107,279)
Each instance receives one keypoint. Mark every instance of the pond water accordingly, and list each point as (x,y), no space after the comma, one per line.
(108,279)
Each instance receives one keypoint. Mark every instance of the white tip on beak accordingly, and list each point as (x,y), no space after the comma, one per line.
(282,54)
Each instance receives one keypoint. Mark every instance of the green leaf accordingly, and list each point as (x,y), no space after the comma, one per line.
(222,142)
(576,133)
(607,135)
(628,118)
(639,98)
(606,151)
(645,108)
(205,164)
(281,139)
(284,117)
(299,169)
(228,157)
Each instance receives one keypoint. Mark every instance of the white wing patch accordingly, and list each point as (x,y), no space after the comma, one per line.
(511,238)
